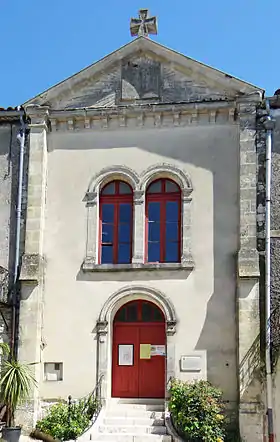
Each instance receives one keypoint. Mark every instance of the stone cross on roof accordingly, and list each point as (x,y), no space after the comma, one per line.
(144,25)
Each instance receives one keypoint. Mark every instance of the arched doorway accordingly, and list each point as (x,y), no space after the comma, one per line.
(139,349)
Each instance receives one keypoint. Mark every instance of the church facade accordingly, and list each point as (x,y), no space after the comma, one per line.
(140,261)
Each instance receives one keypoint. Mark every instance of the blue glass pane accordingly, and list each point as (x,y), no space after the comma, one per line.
(154,211)
(131,312)
(120,316)
(124,188)
(107,233)
(155,187)
(124,254)
(124,233)
(158,316)
(109,189)
(125,212)
(171,252)
(171,187)
(154,231)
(172,211)
(107,255)
(153,252)
(147,312)
(171,231)
(108,213)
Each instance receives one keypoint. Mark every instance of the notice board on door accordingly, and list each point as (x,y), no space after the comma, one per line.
(158,350)
(125,356)
(145,351)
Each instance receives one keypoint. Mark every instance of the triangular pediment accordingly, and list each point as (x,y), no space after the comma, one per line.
(142,71)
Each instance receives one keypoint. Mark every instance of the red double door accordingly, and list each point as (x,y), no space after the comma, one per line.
(135,373)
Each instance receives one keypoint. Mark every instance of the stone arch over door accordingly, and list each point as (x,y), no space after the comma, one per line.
(104,329)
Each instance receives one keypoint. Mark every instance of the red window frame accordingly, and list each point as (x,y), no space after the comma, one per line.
(163,197)
(116,200)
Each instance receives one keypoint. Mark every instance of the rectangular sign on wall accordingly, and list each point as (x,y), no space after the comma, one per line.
(191,363)
(125,354)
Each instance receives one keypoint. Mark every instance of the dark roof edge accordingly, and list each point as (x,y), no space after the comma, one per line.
(274,101)
(10,114)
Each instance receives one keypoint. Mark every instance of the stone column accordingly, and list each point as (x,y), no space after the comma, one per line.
(139,227)
(32,271)
(186,255)
(102,357)
(170,350)
(250,404)
(91,258)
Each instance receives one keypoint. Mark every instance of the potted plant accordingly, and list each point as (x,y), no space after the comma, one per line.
(15,386)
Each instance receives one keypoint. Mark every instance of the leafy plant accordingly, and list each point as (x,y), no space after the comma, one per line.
(197,412)
(64,423)
(16,382)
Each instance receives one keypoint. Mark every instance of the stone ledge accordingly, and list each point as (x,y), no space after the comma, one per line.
(248,270)
(32,268)
(89,266)
(248,263)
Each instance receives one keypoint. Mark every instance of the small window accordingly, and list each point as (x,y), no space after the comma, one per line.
(53,371)
(116,223)
(163,223)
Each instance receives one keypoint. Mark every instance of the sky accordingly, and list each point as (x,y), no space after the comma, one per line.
(44,42)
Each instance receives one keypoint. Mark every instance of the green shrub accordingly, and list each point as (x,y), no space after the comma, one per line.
(64,425)
(196,411)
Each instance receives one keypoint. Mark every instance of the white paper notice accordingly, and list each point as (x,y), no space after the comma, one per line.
(126,354)
(158,350)
(51,376)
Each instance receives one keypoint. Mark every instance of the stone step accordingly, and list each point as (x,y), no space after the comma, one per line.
(113,437)
(134,412)
(139,401)
(147,407)
(132,429)
(136,420)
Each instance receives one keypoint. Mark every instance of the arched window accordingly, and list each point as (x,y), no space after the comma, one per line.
(116,213)
(139,311)
(163,222)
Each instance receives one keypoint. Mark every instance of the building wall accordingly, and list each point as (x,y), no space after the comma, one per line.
(8,194)
(204,299)
(275,264)
(6,169)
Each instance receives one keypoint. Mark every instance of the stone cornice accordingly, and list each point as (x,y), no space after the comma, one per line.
(160,115)
(39,117)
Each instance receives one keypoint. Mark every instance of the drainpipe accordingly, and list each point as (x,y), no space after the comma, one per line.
(21,139)
(269,125)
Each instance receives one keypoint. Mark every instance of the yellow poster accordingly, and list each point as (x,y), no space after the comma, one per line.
(145,351)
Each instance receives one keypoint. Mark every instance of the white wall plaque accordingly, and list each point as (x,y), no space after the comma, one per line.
(191,363)
(125,354)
